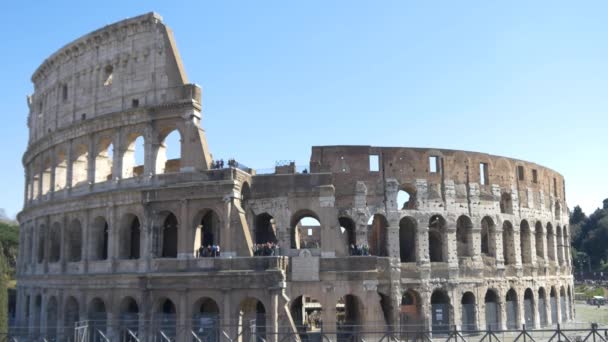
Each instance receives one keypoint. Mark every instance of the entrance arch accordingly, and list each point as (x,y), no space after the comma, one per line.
(437,246)
(349,313)
(208,232)
(492,310)
(469,312)
(305,230)
(252,320)
(378,235)
(512,305)
(407,239)
(169,237)
(411,310)
(529,305)
(441,312)
(129,318)
(206,319)
(130,236)
(306,313)
(265,229)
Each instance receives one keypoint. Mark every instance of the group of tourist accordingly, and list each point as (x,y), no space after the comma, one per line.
(266,249)
(219,164)
(359,249)
(209,251)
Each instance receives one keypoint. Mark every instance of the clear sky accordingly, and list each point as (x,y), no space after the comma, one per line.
(524,79)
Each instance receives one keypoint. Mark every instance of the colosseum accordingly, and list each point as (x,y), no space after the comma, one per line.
(366,239)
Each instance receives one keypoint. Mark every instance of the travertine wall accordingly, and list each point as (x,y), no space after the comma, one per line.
(92,219)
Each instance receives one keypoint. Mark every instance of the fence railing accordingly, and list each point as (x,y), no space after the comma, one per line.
(251,332)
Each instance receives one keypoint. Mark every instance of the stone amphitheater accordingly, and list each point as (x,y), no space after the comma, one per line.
(365,237)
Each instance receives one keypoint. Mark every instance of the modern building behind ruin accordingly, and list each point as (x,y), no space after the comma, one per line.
(481,241)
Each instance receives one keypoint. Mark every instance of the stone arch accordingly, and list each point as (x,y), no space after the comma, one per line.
(560,245)
(305,230)
(464,236)
(441,312)
(168,156)
(132,153)
(492,310)
(377,227)
(265,228)
(52,312)
(55,243)
(488,237)
(169,236)
(563,303)
(245,195)
(506,203)
(97,316)
(553,300)
(406,197)
(512,309)
(348,233)
(104,159)
(508,243)
(349,317)
(207,231)
(99,239)
(73,241)
(407,239)
(128,316)
(525,242)
(42,236)
(80,168)
(165,314)
(71,316)
(206,319)
(542,307)
(469,312)
(306,313)
(37,311)
(540,238)
(61,167)
(252,311)
(129,245)
(529,308)
(47,169)
(437,234)
(411,309)
(550,242)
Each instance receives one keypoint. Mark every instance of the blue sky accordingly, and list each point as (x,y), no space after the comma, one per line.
(524,79)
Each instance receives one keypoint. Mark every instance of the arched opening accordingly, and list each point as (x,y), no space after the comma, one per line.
(133,157)
(553,300)
(558,210)
(508,243)
(98,319)
(440,312)
(464,236)
(525,242)
(207,236)
(166,319)
(511,306)
(542,307)
(406,197)
(99,239)
(55,243)
(306,313)
(206,320)
(252,320)
(550,242)
(506,203)
(74,241)
(265,230)
(168,157)
(469,312)
(61,167)
(570,303)
(377,235)
(130,237)
(41,243)
(104,160)
(407,239)
(560,245)
(169,237)
(492,310)
(37,311)
(349,313)
(411,310)
(129,319)
(388,310)
(305,230)
(563,304)
(540,246)
(488,237)
(72,315)
(80,168)
(245,195)
(51,318)
(437,248)
(348,232)
(46,176)
(529,308)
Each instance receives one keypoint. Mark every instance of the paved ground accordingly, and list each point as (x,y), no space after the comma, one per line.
(591,314)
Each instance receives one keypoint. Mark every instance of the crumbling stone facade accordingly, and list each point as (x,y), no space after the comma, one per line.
(480,240)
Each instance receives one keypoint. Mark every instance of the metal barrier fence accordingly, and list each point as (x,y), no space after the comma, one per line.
(250,332)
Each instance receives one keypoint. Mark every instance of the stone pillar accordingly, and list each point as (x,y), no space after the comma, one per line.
(52,176)
(517,245)
(500,256)
(328,314)
(182,324)
(456,310)
(558,306)
(502,311)
(422,247)
(532,247)
(69,166)
(228,323)
(273,334)
(61,313)
(475,245)
(481,313)
(85,257)
(117,154)
(32,324)
(451,246)
(43,317)
(185,243)
(91,157)
(521,313)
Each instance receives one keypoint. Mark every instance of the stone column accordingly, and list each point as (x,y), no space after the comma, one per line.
(52,176)
(185,244)
(502,311)
(475,245)
(43,318)
(117,155)
(92,150)
(452,247)
(229,325)
(69,166)
(61,313)
(517,245)
(558,306)
(500,256)
(328,314)
(85,255)
(273,334)
(183,328)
